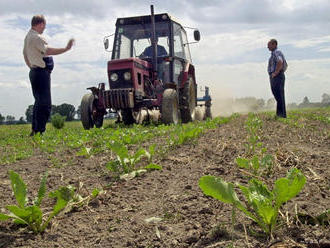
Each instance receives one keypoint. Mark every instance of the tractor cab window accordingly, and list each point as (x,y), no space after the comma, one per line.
(185,45)
(133,40)
(181,48)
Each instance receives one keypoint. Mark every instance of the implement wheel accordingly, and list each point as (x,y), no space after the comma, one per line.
(170,110)
(208,113)
(188,101)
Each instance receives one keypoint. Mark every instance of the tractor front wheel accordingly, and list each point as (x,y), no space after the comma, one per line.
(188,101)
(87,108)
(170,110)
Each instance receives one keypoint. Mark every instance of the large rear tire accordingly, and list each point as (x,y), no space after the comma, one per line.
(170,109)
(87,118)
(127,116)
(188,101)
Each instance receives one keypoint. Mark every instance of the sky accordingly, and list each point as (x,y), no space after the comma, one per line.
(231,57)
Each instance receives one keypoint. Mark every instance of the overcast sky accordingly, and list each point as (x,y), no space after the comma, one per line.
(231,57)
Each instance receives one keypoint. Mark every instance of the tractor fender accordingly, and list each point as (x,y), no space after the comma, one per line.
(189,69)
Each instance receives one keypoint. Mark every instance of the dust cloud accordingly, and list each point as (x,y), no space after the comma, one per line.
(228,106)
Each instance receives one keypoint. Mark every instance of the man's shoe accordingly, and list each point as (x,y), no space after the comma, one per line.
(32,133)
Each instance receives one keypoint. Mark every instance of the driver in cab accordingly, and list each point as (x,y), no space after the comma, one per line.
(147,53)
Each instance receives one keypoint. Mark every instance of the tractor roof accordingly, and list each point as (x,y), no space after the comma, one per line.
(145,19)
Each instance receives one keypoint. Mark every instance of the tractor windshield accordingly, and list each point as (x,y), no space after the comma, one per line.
(135,40)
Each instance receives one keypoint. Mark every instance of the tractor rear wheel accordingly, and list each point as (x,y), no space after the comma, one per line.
(188,101)
(170,109)
(127,116)
(87,118)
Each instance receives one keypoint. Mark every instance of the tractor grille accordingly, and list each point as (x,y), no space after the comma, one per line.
(119,98)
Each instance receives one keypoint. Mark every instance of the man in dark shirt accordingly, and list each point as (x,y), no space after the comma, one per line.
(276,67)
(161,52)
(147,53)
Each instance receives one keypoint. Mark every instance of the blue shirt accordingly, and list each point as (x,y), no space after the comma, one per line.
(276,56)
(161,51)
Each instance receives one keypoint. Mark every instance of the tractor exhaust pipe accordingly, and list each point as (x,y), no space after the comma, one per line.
(154,43)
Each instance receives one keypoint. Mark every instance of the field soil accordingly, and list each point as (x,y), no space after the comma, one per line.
(166,208)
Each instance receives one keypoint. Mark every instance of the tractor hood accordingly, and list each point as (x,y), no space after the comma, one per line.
(129,63)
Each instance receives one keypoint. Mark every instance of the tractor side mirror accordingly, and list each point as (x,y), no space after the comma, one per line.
(197,35)
(106,43)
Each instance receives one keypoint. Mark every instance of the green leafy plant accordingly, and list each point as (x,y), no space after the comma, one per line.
(125,162)
(263,205)
(252,125)
(32,216)
(257,162)
(58,120)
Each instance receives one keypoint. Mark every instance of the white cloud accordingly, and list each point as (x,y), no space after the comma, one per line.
(311,42)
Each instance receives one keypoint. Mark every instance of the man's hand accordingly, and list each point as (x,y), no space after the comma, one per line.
(274,75)
(70,44)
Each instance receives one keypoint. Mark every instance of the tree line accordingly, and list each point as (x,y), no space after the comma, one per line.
(64,109)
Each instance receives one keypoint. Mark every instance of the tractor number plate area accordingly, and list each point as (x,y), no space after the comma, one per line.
(119,98)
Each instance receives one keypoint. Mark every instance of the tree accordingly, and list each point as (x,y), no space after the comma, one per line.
(325,98)
(2,119)
(29,113)
(66,110)
(10,119)
(79,112)
(306,100)
(21,120)
(305,103)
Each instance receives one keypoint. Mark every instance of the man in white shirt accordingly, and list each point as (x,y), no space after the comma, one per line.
(36,55)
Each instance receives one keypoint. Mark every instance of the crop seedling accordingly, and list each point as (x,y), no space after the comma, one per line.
(252,125)
(264,203)
(126,162)
(257,162)
(32,216)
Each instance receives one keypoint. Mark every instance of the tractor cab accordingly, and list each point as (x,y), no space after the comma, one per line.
(133,39)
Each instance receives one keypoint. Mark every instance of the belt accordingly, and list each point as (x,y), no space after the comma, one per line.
(37,68)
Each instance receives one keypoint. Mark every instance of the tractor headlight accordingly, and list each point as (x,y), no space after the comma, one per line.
(127,76)
(114,77)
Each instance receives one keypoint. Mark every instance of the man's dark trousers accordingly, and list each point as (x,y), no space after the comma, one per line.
(277,85)
(40,81)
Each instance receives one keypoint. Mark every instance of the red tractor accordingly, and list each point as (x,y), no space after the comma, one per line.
(150,69)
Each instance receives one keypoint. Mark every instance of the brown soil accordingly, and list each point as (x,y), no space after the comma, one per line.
(187,217)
